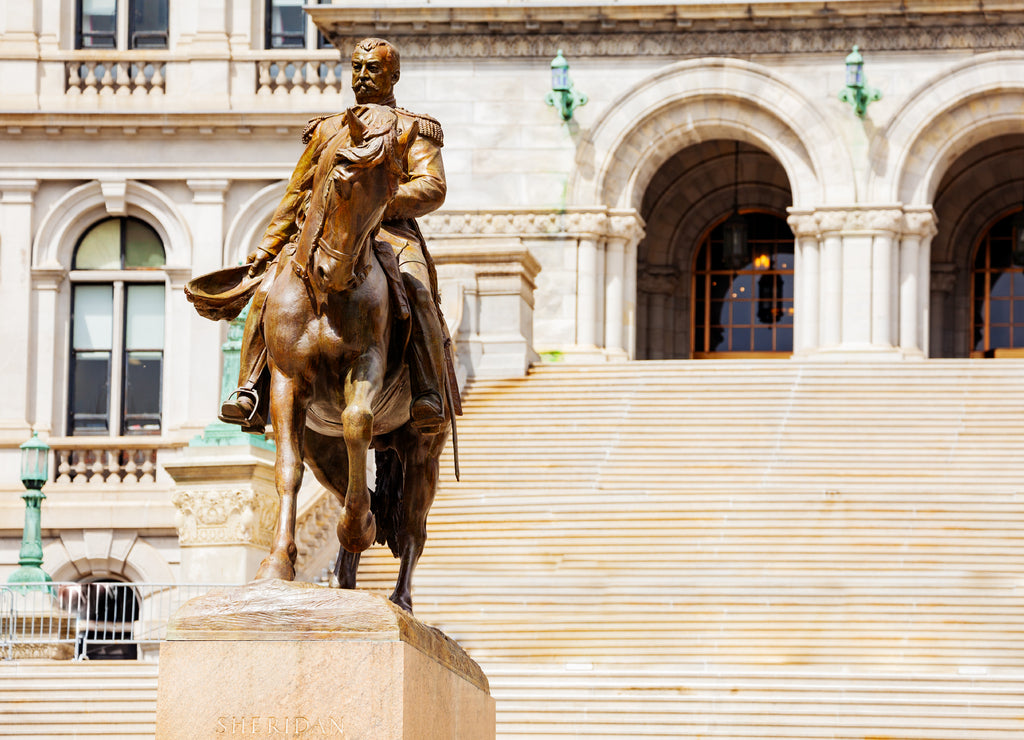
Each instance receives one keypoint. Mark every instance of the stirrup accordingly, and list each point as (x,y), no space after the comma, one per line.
(231,411)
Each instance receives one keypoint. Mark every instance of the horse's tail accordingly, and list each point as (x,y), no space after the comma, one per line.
(386,502)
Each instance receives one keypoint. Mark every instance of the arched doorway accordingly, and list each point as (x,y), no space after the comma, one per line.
(977,279)
(685,306)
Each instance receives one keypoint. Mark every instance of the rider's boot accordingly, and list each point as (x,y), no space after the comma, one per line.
(243,405)
(426,365)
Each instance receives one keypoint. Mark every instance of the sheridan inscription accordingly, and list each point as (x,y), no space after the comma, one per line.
(257,725)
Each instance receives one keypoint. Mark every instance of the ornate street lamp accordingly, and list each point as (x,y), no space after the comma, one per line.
(857,93)
(35,456)
(563,95)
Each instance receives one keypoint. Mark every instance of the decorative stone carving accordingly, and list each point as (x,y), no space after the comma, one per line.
(803,224)
(628,226)
(920,223)
(783,38)
(577,222)
(225,517)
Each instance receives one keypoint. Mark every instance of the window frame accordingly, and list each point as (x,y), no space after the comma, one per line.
(984,241)
(124,24)
(120,280)
(700,311)
(309,31)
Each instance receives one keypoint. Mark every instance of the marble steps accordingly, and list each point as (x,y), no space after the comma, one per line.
(115,700)
(861,521)
(541,701)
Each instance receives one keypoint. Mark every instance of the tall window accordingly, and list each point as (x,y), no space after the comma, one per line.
(286,25)
(743,303)
(121,24)
(117,330)
(998,290)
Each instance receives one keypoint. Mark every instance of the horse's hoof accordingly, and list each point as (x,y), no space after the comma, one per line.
(357,537)
(275,567)
(403,601)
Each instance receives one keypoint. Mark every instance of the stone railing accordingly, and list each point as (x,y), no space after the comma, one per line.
(283,77)
(83,461)
(124,76)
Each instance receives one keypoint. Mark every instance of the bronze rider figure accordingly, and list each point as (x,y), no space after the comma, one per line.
(375,71)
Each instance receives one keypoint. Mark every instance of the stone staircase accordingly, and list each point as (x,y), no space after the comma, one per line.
(768,549)
(738,549)
(109,700)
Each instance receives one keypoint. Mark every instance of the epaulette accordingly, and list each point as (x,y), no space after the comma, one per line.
(429,127)
(307,133)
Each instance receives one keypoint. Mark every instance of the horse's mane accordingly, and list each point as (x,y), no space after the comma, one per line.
(379,142)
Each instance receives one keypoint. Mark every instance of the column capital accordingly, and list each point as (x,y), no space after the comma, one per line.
(626,225)
(208,191)
(18,191)
(658,279)
(920,222)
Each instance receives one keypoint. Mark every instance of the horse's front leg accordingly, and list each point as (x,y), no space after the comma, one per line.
(288,407)
(357,528)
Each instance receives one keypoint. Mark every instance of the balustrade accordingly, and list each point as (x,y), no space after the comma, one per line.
(138,77)
(298,77)
(105,461)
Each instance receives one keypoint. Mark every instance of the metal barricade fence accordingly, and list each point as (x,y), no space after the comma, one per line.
(99,620)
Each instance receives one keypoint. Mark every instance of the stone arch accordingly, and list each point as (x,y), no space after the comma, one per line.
(978,99)
(80,207)
(250,221)
(700,100)
(78,554)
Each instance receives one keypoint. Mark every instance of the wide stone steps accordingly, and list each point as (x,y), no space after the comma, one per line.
(756,550)
(41,700)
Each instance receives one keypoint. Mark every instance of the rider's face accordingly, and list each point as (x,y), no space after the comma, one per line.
(373,80)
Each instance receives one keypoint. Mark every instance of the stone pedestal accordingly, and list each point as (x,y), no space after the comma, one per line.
(298,660)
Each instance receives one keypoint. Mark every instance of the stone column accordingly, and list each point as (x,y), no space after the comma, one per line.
(586,292)
(658,282)
(226,510)
(620,285)
(21,55)
(830,225)
(46,286)
(941,330)
(807,275)
(17,199)
(915,269)
(207,225)
(885,224)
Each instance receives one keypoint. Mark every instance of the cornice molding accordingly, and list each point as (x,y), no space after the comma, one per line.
(673,29)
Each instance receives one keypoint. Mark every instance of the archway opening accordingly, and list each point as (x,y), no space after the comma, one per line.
(685,283)
(977,279)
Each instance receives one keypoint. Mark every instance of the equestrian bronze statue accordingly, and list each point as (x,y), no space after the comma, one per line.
(345,349)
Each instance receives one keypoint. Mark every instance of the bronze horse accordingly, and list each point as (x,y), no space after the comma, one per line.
(335,350)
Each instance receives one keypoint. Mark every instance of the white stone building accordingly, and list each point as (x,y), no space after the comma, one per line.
(155,147)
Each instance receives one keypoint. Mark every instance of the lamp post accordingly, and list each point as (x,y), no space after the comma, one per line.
(563,95)
(34,470)
(857,93)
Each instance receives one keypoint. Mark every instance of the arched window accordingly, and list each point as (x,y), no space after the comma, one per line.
(117,330)
(743,302)
(998,291)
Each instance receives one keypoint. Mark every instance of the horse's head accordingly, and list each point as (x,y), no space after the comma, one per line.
(357,177)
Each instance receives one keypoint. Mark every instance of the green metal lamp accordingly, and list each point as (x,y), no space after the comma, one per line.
(563,95)
(35,456)
(857,93)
